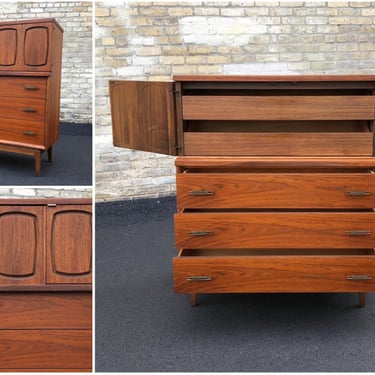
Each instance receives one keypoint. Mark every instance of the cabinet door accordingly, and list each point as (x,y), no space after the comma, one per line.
(143,116)
(69,244)
(36,45)
(28,46)
(8,46)
(21,245)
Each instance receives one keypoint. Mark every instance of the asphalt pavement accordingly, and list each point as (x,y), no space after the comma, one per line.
(142,325)
(71,161)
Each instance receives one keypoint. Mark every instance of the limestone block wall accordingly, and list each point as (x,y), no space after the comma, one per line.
(155,40)
(76,19)
(50,192)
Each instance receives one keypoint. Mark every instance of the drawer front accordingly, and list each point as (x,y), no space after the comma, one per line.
(25,132)
(275,230)
(278,143)
(45,349)
(23,109)
(263,190)
(282,107)
(44,310)
(232,274)
(23,87)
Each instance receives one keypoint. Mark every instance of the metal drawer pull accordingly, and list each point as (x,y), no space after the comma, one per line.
(359,277)
(199,278)
(200,192)
(200,233)
(357,193)
(358,233)
(29,109)
(31,88)
(26,132)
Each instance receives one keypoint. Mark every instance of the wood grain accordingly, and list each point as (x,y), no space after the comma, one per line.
(278,144)
(30,87)
(20,131)
(69,244)
(274,230)
(275,190)
(24,53)
(278,162)
(21,245)
(290,274)
(18,108)
(278,108)
(274,78)
(30,83)
(33,310)
(45,349)
(143,116)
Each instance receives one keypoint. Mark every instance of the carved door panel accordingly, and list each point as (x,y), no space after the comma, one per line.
(21,245)
(69,244)
(36,45)
(8,46)
(26,47)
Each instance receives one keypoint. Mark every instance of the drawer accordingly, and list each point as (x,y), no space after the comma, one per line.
(197,272)
(21,131)
(278,144)
(278,108)
(45,349)
(23,108)
(24,87)
(268,230)
(265,190)
(44,310)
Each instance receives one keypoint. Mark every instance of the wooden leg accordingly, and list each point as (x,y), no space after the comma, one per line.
(362,299)
(193,299)
(37,156)
(49,152)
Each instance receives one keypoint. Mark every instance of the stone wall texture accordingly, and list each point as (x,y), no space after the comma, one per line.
(155,40)
(76,19)
(51,192)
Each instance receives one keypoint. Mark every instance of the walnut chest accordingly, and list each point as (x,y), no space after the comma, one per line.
(275,178)
(30,79)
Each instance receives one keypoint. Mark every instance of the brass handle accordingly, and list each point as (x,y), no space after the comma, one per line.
(29,109)
(357,193)
(26,132)
(200,192)
(359,277)
(31,88)
(200,233)
(358,233)
(199,278)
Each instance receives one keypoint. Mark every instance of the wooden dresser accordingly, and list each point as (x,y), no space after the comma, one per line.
(275,178)
(30,80)
(45,285)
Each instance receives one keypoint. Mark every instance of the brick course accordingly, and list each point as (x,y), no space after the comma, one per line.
(52,192)
(76,19)
(154,40)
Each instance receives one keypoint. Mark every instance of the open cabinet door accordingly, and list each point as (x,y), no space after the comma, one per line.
(143,116)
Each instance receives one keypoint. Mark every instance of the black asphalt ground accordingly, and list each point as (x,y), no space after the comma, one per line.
(71,161)
(142,325)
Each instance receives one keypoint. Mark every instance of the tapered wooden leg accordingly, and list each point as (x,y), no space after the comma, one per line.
(37,156)
(193,299)
(362,299)
(49,152)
